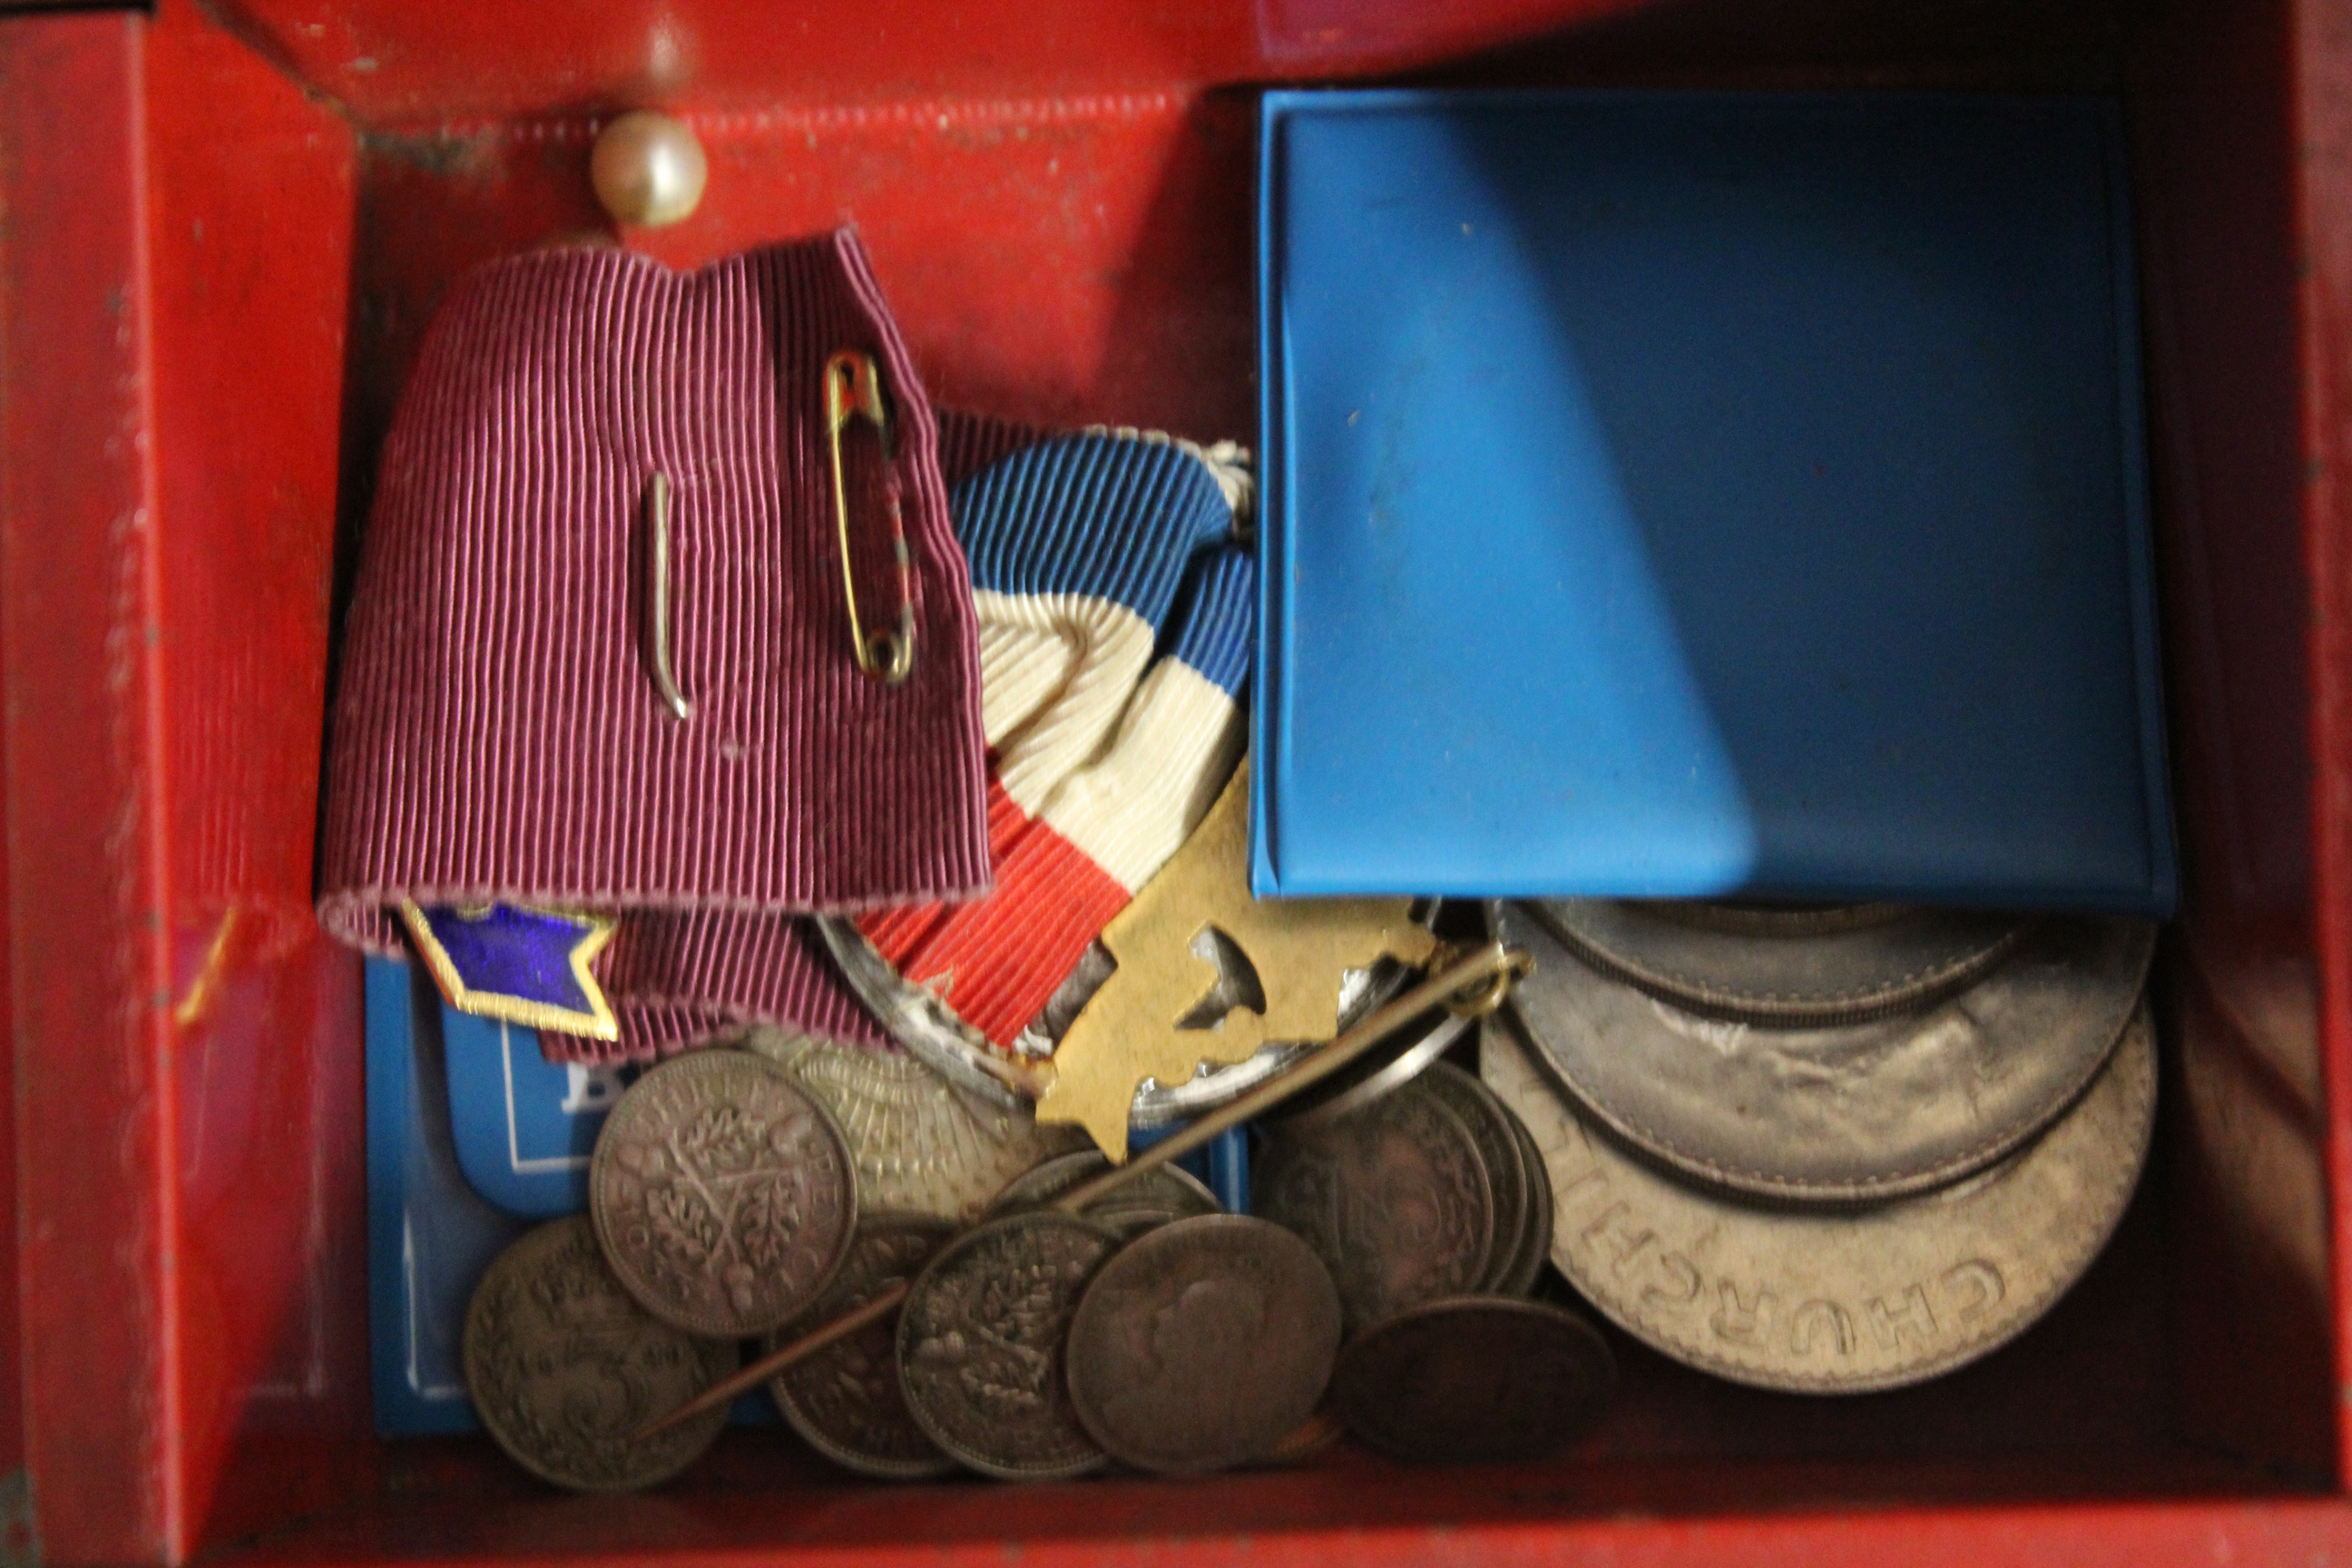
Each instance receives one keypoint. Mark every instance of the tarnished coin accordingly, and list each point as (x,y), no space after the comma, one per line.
(1835,1301)
(1203,1344)
(723,1195)
(563,1365)
(1150,1200)
(920,1145)
(1509,1175)
(1534,1250)
(846,1399)
(1855,1113)
(1786,966)
(980,1346)
(1379,1071)
(1303,1441)
(1394,1198)
(1475,1379)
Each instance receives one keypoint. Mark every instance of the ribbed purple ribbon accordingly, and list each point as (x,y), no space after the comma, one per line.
(496,735)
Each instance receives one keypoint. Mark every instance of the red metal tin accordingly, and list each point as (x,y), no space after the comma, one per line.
(223,229)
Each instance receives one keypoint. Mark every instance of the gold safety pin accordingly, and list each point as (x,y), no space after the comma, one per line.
(853,388)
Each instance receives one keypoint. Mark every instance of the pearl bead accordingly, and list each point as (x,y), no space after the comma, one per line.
(648,169)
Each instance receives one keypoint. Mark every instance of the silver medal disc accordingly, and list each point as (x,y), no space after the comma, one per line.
(1787,965)
(1835,1301)
(1859,1113)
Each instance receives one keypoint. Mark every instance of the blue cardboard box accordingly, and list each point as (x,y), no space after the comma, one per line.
(1683,494)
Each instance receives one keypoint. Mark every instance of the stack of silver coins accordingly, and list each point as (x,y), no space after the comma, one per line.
(1426,1197)
(1826,1149)
(1820,1149)
(743,1198)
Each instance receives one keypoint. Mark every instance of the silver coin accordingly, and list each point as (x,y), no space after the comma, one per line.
(1787,966)
(563,1366)
(1820,1301)
(1474,1380)
(1203,1344)
(981,1345)
(1395,1199)
(723,1195)
(1860,1112)
(1379,1071)
(1151,1200)
(920,1145)
(1510,1175)
(846,1400)
(1527,1264)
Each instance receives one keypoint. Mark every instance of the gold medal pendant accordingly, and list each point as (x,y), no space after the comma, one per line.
(1208,974)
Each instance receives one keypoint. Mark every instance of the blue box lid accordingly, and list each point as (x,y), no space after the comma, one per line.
(1686,494)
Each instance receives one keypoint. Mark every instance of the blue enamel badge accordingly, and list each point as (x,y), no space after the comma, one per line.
(524,965)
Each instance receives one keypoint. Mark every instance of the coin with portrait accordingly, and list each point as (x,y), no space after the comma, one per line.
(1820,1301)
(1203,1344)
(1474,1380)
(1848,1112)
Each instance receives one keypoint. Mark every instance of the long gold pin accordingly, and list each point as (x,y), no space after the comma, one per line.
(1491,968)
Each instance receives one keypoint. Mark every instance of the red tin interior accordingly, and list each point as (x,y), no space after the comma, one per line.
(221,229)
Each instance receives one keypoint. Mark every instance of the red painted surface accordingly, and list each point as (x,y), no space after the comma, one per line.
(249,203)
(1124,287)
(2217,206)
(1063,1527)
(187,1071)
(1056,197)
(85,835)
(2323,44)
(394,65)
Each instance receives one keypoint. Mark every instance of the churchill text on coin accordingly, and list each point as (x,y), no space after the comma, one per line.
(1830,1301)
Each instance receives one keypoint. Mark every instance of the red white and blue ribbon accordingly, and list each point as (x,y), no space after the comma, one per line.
(1116,617)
